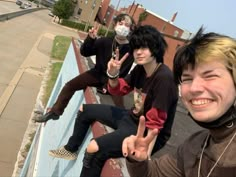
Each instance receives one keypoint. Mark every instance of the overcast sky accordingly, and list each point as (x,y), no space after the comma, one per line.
(215,15)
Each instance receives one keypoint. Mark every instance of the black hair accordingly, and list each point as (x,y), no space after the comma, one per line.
(149,37)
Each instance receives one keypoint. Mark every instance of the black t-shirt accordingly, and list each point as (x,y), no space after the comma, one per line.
(159,91)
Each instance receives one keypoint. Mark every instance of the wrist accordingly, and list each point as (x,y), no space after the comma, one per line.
(112,76)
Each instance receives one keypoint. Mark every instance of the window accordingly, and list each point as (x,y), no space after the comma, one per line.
(79,11)
(176,33)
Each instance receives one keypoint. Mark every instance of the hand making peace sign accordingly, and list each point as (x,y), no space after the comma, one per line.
(136,146)
(93,32)
(114,65)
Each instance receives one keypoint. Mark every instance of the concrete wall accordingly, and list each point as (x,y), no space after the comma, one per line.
(11,15)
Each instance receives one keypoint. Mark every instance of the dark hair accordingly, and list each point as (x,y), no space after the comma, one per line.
(122,17)
(149,37)
(199,48)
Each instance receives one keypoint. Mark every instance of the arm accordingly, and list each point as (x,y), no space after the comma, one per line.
(88,48)
(135,148)
(116,85)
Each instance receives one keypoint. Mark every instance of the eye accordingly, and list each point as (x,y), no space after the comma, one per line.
(186,80)
(211,76)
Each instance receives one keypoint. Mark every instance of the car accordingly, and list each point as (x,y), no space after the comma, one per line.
(28,4)
(51,14)
(18,2)
(24,6)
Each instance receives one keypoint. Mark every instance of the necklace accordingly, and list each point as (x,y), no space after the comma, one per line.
(200,161)
(157,66)
(113,48)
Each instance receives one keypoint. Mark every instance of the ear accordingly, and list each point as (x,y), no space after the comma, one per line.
(179,90)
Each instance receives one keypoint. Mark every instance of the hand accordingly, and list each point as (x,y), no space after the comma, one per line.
(114,65)
(136,146)
(93,32)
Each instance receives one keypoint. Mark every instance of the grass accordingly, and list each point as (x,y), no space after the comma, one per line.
(56,67)
(59,51)
(60,47)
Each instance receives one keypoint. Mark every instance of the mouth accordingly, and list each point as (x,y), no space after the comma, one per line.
(200,102)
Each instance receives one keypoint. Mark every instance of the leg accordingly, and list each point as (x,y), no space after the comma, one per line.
(105,147)
(106,114)
(78,83)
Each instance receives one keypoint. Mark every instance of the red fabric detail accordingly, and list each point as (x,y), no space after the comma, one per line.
(121,89)
(155,118)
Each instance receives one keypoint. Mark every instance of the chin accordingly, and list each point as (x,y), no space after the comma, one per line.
(203,117)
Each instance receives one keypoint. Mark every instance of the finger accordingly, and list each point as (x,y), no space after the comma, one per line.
(141,126)
(117,54)
(148,139)
(125,148)
(124,58)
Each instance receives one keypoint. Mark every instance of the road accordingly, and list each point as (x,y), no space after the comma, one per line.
(25,46)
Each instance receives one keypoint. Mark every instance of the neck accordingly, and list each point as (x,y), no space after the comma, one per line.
(121,40)
(150,67)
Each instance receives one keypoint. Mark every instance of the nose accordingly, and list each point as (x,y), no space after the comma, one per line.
(197,85)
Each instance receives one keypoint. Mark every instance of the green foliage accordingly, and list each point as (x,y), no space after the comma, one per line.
(63,9)
(71,24)
(56,67)
(60,47)
(142,16)
(81,26)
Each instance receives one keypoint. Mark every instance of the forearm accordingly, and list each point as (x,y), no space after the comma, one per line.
(113,82)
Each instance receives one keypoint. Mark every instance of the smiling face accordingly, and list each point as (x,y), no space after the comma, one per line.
(207,90)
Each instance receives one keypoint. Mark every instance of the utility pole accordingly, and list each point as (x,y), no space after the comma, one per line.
(117,6)
(88,22)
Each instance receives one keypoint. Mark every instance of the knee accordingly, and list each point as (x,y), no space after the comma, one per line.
(92,147)
(81,108)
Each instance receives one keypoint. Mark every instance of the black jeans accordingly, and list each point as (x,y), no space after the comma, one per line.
(114,117)
(110,144)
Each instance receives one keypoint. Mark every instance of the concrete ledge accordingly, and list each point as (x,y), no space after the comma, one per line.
(11,15)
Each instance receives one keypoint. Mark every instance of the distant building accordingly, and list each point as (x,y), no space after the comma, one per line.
(86,11)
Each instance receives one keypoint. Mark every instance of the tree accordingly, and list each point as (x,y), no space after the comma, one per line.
(142,17)
(63,9)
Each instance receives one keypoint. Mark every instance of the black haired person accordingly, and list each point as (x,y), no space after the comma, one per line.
(103,48)
(205,70)
(155,96)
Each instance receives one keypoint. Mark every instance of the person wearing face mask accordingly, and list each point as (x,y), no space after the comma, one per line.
(103,48)
(205,69)
(155,96)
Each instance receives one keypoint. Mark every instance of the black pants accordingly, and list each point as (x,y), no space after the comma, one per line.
(110,144)
(114,117)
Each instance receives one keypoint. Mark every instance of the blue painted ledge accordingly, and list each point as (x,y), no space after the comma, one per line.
(55,134)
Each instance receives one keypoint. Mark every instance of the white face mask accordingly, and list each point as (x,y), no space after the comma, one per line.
(122,30)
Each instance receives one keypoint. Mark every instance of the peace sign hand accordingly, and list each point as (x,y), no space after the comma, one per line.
(136,146)
(114,65)
(93,32)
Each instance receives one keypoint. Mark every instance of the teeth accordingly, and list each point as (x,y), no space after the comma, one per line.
(200,102)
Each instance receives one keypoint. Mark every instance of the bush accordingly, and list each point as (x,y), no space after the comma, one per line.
(81,27)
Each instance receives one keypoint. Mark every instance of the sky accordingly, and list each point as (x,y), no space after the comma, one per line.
(214,15)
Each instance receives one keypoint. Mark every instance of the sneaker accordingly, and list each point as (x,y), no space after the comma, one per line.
(49,115)
(63,153)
